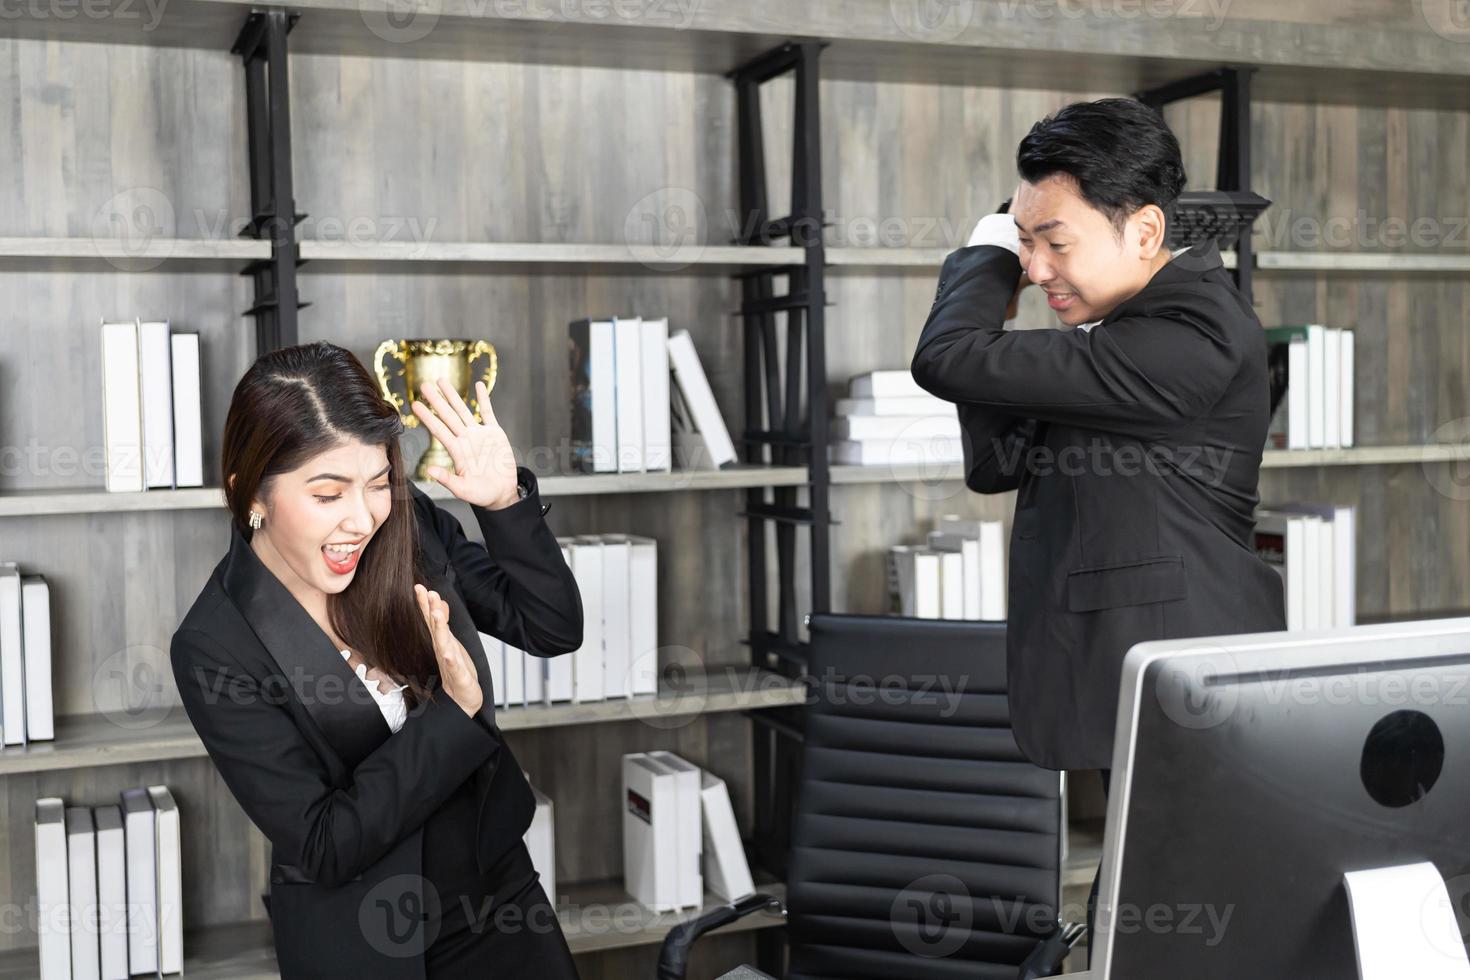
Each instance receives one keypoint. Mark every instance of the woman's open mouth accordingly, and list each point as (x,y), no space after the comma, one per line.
(341,559)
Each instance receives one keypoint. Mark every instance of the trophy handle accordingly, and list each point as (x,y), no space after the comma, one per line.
(487,349)
(394,349)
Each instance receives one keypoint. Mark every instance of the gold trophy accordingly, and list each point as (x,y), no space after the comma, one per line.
(425,362)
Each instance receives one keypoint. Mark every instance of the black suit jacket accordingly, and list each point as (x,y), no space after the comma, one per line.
(1136,450)
(307,753)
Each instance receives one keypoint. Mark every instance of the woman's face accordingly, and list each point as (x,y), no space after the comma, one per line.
(340,497)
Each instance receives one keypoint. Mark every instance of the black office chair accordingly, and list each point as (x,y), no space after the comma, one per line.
(924,846)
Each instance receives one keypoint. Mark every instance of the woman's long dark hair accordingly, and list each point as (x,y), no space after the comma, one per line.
(292,405)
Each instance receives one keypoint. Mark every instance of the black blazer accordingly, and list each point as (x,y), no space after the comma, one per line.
(307,753)
(1136,450)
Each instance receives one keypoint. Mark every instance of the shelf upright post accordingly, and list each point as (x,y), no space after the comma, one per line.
(1233,164)
(785,413)
(261,45)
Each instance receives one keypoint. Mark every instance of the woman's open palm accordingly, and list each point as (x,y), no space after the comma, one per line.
(484,462)
(456,669)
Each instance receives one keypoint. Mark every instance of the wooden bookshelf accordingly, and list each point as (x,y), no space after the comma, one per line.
(156,734)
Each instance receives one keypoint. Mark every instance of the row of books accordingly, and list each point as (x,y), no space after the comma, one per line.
(540,840)
(625,416)
(679,834)
(109,887)
(1312,388)
(617,576)
(151,419)
(959,573)
(26,709)
(1312,546)
(887,419)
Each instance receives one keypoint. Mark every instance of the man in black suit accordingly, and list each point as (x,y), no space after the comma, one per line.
(1134,436)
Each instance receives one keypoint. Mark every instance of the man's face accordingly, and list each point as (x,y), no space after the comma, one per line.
(1070,249)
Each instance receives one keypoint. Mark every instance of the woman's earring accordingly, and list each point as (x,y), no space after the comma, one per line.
(255,519)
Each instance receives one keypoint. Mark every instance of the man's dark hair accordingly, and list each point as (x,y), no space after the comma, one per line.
(1120,152)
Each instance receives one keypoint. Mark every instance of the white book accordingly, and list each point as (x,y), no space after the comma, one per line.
(139,843)
(1298,396)
(726,870)
(540,840)
(658,447)
(112,891)
(650,821)
(514,664)
(587,660)
(1318,588)
(1347,387)
(1332,390)
(706,430)
(643,624)
(81,884)
(617,615)
(1316,386)
(1279,538)
(53,900)
(689,833)
(951,585)
(495,657)
(35,602)
(122,407)
(969,552)
(928,594)
(188,411)
(559,670)
(869,428)
(628,372)
(168,855)
(991,535)
(1336,560)
(535,673)
(155,380)
(891,383)
(594,435)
(12,655)
(896,451)
(911,406)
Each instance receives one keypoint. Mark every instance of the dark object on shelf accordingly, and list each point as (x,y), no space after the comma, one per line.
(673,958)
(1232,165)
(785,423)
(261,45)
(1218,216)
(908,768)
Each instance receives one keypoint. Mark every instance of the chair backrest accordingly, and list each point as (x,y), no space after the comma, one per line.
(924,845)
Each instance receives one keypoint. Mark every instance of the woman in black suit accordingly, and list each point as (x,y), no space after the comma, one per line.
(333,669)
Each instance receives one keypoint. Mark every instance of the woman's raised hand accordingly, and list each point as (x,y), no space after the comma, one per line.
(456,669)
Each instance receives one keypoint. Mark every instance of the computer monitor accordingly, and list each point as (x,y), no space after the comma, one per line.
(1251,772)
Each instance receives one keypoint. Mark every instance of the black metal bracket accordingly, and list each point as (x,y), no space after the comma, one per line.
(261,45)
(785,411)
(1233,164)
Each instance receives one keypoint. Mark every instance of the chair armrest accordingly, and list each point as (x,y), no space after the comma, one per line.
(673,956)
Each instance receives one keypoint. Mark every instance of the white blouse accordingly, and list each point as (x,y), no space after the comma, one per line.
(395,712)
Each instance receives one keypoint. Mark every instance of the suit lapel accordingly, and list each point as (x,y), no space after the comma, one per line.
(336,698)
(1189,266)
